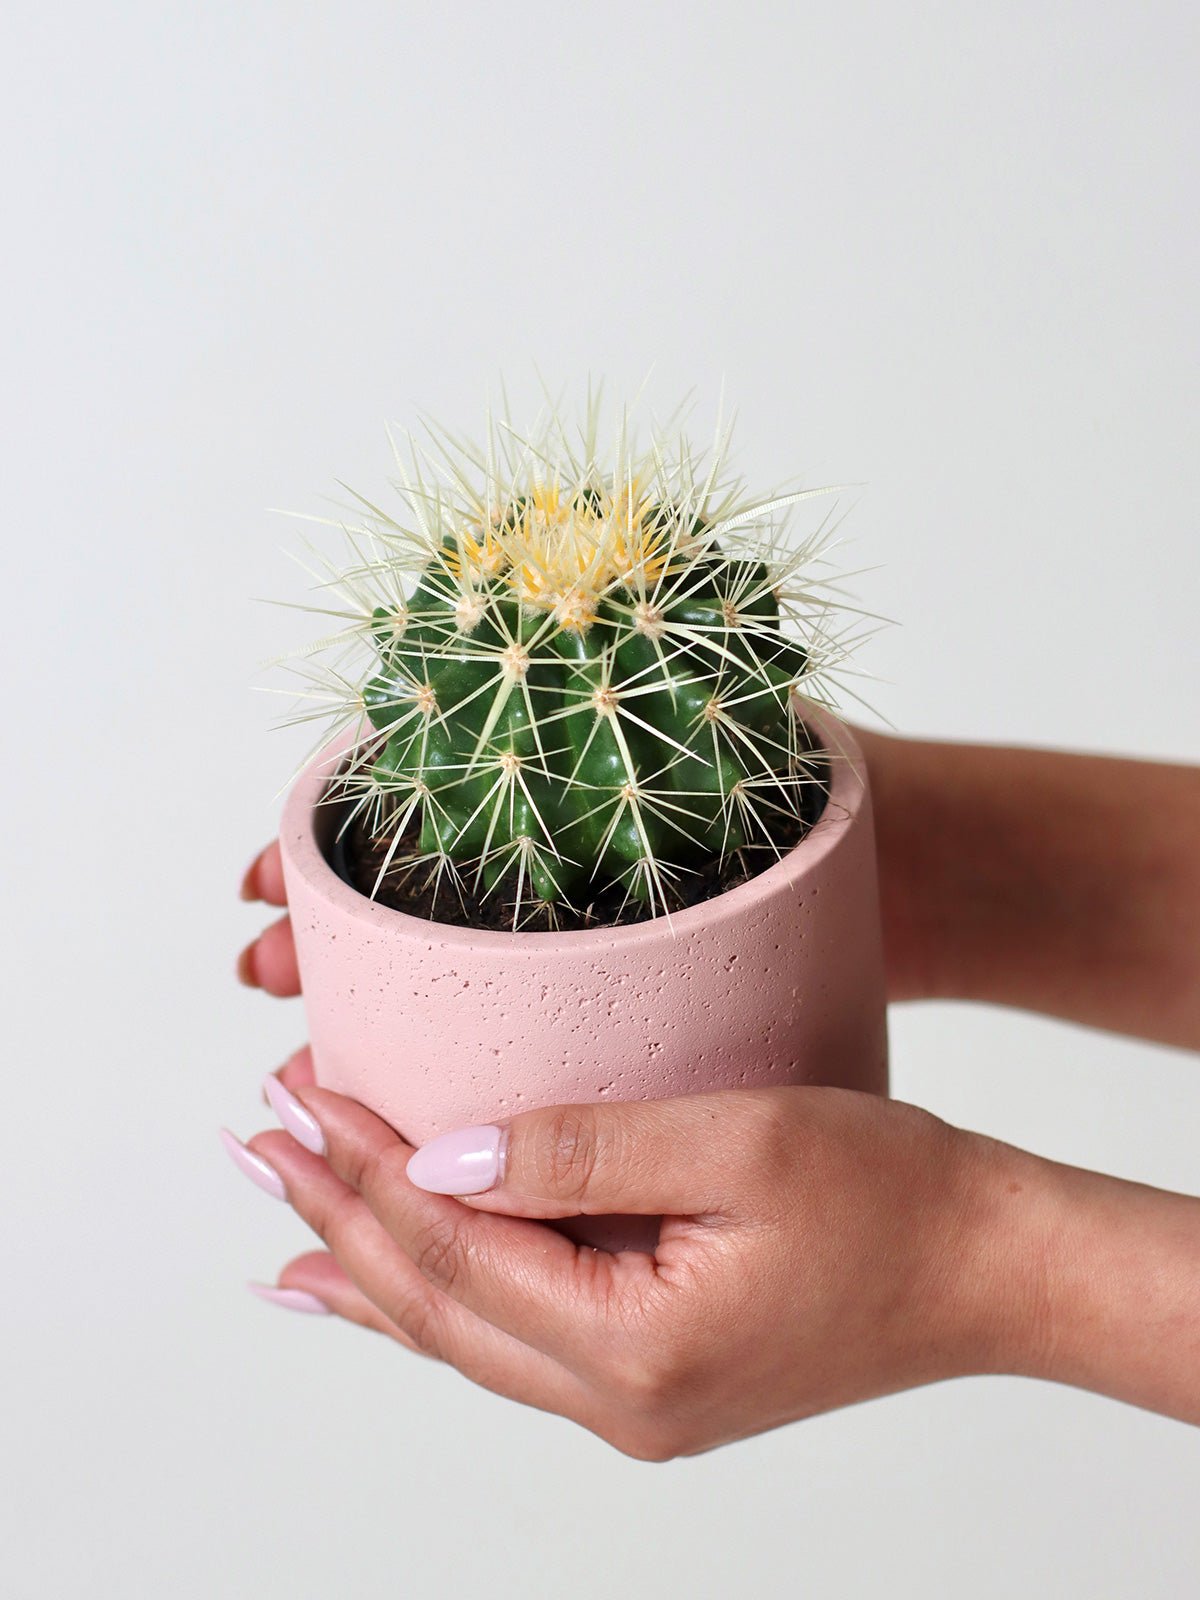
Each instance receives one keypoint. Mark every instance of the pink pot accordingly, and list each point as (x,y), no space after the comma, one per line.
(435,1027)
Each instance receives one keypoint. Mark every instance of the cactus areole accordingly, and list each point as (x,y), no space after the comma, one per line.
(581,674)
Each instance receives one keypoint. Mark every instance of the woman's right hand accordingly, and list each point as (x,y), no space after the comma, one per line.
(1055,882)
(269,961)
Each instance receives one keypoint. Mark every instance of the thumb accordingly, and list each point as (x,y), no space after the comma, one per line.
(647,1157)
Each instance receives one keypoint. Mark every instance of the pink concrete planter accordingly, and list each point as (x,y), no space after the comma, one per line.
(777,981)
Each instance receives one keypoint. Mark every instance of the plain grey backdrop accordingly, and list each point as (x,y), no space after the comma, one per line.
(948,252)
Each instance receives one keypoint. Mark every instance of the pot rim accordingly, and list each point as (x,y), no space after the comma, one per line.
(847,791)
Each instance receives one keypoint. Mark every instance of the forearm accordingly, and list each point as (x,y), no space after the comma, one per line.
(1086,1279)
(1061,883)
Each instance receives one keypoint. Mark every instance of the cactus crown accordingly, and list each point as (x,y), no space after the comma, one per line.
(581,668)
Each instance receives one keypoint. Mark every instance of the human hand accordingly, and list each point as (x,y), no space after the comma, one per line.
(1009,1262)
(819,1247)
(1061,883)
(269,960)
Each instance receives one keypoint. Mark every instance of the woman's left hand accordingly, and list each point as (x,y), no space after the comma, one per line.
(819,1247)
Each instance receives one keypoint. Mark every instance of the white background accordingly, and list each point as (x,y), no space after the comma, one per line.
(946,251)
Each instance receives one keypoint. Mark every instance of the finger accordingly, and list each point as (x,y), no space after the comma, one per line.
(524,1279)
(263,879)
(269,962)
(295,1073)
(684,1156)
(376,1265)
(318,1275)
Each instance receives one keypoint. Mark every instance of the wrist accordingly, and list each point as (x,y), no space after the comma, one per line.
(1078,1278)
(996,1255)
(905,784)
(1123,1292)
(1055,881)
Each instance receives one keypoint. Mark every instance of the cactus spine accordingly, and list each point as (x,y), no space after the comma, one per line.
(590,683)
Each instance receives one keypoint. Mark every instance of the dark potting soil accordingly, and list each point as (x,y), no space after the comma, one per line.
(356,857)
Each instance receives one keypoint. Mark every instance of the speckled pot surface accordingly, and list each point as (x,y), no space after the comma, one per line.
(779,980)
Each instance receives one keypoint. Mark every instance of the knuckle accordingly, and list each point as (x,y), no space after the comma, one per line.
(569,1154)
(651,1384)
(336,1219)
(645,1441)
(373,1169)
(773,1136)
(441,1253)
(657,1394)
(421,1319)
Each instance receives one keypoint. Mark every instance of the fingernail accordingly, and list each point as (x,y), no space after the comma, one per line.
(296,1118)
(290,1299)
(252,1164)
(245,968)
(467,1161)
(249,888)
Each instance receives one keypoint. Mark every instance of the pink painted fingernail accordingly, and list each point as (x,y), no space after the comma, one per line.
(252,1164)
(296,1118)
(290,1299)
(467,1161)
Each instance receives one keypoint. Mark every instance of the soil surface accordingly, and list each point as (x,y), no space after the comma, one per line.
(356,857)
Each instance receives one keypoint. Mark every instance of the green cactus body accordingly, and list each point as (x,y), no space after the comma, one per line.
(589,687)
(613,747)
